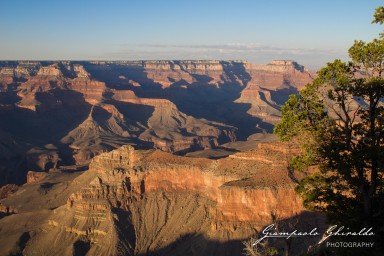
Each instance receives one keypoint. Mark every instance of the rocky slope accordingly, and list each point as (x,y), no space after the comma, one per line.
(140,202)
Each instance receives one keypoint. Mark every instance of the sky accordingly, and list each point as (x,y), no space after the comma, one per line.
(308,31)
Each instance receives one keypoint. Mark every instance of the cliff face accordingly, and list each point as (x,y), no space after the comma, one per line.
(132,202)
(168,73)
(280,66)
(271,86)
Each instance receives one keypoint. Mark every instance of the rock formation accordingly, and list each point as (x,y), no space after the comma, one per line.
(271,86)
(7,190)
(133,202)
(34,177)
(171,130)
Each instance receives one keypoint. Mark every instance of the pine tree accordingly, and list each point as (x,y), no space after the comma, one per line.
(338,121)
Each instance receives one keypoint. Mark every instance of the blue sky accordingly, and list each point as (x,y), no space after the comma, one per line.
(311,32)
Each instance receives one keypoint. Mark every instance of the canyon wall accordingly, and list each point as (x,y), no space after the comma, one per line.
(133,202)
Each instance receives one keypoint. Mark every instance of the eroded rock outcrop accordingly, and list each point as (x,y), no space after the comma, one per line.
(7,190)
(171,130)
(43,159)
(34,177)
(144,201)
(50,71)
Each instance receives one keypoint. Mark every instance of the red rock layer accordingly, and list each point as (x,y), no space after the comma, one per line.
(125,175)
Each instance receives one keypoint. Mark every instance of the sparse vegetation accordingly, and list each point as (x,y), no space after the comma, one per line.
(264,248)
(261,249)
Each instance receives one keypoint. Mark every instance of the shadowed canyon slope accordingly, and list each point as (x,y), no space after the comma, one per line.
(63,113)
(140,202)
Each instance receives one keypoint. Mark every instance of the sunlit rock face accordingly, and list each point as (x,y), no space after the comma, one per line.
(146,200)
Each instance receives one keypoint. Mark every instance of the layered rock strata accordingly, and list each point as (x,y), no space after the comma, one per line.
(133,202)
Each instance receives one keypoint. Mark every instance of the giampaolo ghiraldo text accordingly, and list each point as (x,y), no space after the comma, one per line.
(342,231)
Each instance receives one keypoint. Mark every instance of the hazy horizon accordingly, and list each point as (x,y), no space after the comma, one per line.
(310,33)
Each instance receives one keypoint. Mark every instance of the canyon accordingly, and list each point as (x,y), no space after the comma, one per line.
(144,157)
(59,113)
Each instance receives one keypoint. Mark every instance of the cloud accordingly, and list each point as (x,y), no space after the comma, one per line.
(239,48)
(252,52)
